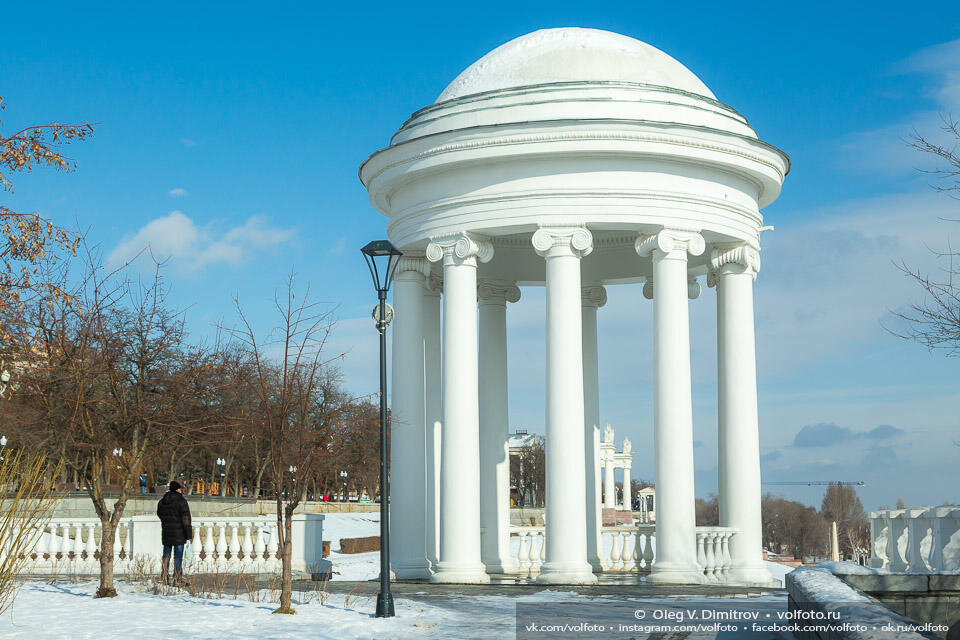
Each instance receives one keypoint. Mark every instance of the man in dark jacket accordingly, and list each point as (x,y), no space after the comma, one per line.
(176,530)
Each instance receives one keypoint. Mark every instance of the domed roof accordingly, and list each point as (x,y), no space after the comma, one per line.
(573,54)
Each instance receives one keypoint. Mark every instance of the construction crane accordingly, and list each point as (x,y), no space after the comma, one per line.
(858,483)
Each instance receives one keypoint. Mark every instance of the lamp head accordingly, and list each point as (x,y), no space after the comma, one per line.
(382,258)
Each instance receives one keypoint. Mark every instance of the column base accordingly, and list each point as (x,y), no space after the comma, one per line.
(566,573)
(496,565)
(754,576)
(454,573)
(675,575)
(595,564)
(411,571)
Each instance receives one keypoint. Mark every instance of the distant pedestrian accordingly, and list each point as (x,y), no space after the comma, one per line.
(176,530)
(143,483)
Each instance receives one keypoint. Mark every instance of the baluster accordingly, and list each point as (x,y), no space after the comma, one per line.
(208,544)
(221,548)
(247,541)
(122,544)
(727,560)
(234,547)
(648,553)
(260,546)
(543,547)
(91,546)
(67,544)
(273,544)
(637,554)
(701,554)
(63,540)
(44,549)
(629,550)
(615,551)
(523,552)
(710,557)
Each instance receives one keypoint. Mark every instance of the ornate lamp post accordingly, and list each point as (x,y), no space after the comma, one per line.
(221,465)
(382,258)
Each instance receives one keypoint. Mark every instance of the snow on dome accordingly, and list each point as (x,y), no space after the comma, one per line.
(572,54)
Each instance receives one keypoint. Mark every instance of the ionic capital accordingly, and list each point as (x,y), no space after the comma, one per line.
(738,258)
(648,288)
(551,242)
(459,248)
(497,291)
(594,295)
(412,264)
(671,242)
(434,284)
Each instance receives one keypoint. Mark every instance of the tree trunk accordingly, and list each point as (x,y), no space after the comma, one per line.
(106,588)
(286,577)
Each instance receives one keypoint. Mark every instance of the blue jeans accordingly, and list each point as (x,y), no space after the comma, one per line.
(177,557)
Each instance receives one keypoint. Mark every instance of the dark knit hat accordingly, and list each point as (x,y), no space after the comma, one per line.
(174,485)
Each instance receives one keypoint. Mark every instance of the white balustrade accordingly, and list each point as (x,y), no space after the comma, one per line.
(918,540)
(627,549)
(220,544)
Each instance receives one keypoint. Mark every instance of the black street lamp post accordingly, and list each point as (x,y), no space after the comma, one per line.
(381,255)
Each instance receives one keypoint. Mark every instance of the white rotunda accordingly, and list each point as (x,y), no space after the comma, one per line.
(574,159)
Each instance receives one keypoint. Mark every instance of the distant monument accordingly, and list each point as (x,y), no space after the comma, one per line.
(610,460)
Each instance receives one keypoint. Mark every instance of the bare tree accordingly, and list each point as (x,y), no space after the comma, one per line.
(841,503)
(935,322)
(108,375)
(528,473)
(297,400)
(27,502)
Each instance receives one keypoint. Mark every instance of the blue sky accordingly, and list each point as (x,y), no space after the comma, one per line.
(230,136)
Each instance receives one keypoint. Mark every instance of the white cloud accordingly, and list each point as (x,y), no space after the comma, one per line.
(177,192)
(884,150)
(189,248)
(187,142)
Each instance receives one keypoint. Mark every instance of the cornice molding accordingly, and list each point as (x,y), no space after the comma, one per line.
(581,136)
(459,248)
(555,241)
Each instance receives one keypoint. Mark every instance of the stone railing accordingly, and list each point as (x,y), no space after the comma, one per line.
(921,540)
(713,552)
(243,544)
(629,549)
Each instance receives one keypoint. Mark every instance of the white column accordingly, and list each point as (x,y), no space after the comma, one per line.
(627,493)
(609,486)
(460,443)
(431,333)
(566,527)
(733,270)
(408,497)
(494,425)
(676,561)
(592,298)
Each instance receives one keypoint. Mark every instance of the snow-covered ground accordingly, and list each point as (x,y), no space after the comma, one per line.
(352,566)
(69,611)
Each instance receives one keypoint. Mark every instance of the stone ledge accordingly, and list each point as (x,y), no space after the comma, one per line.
(816,591)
